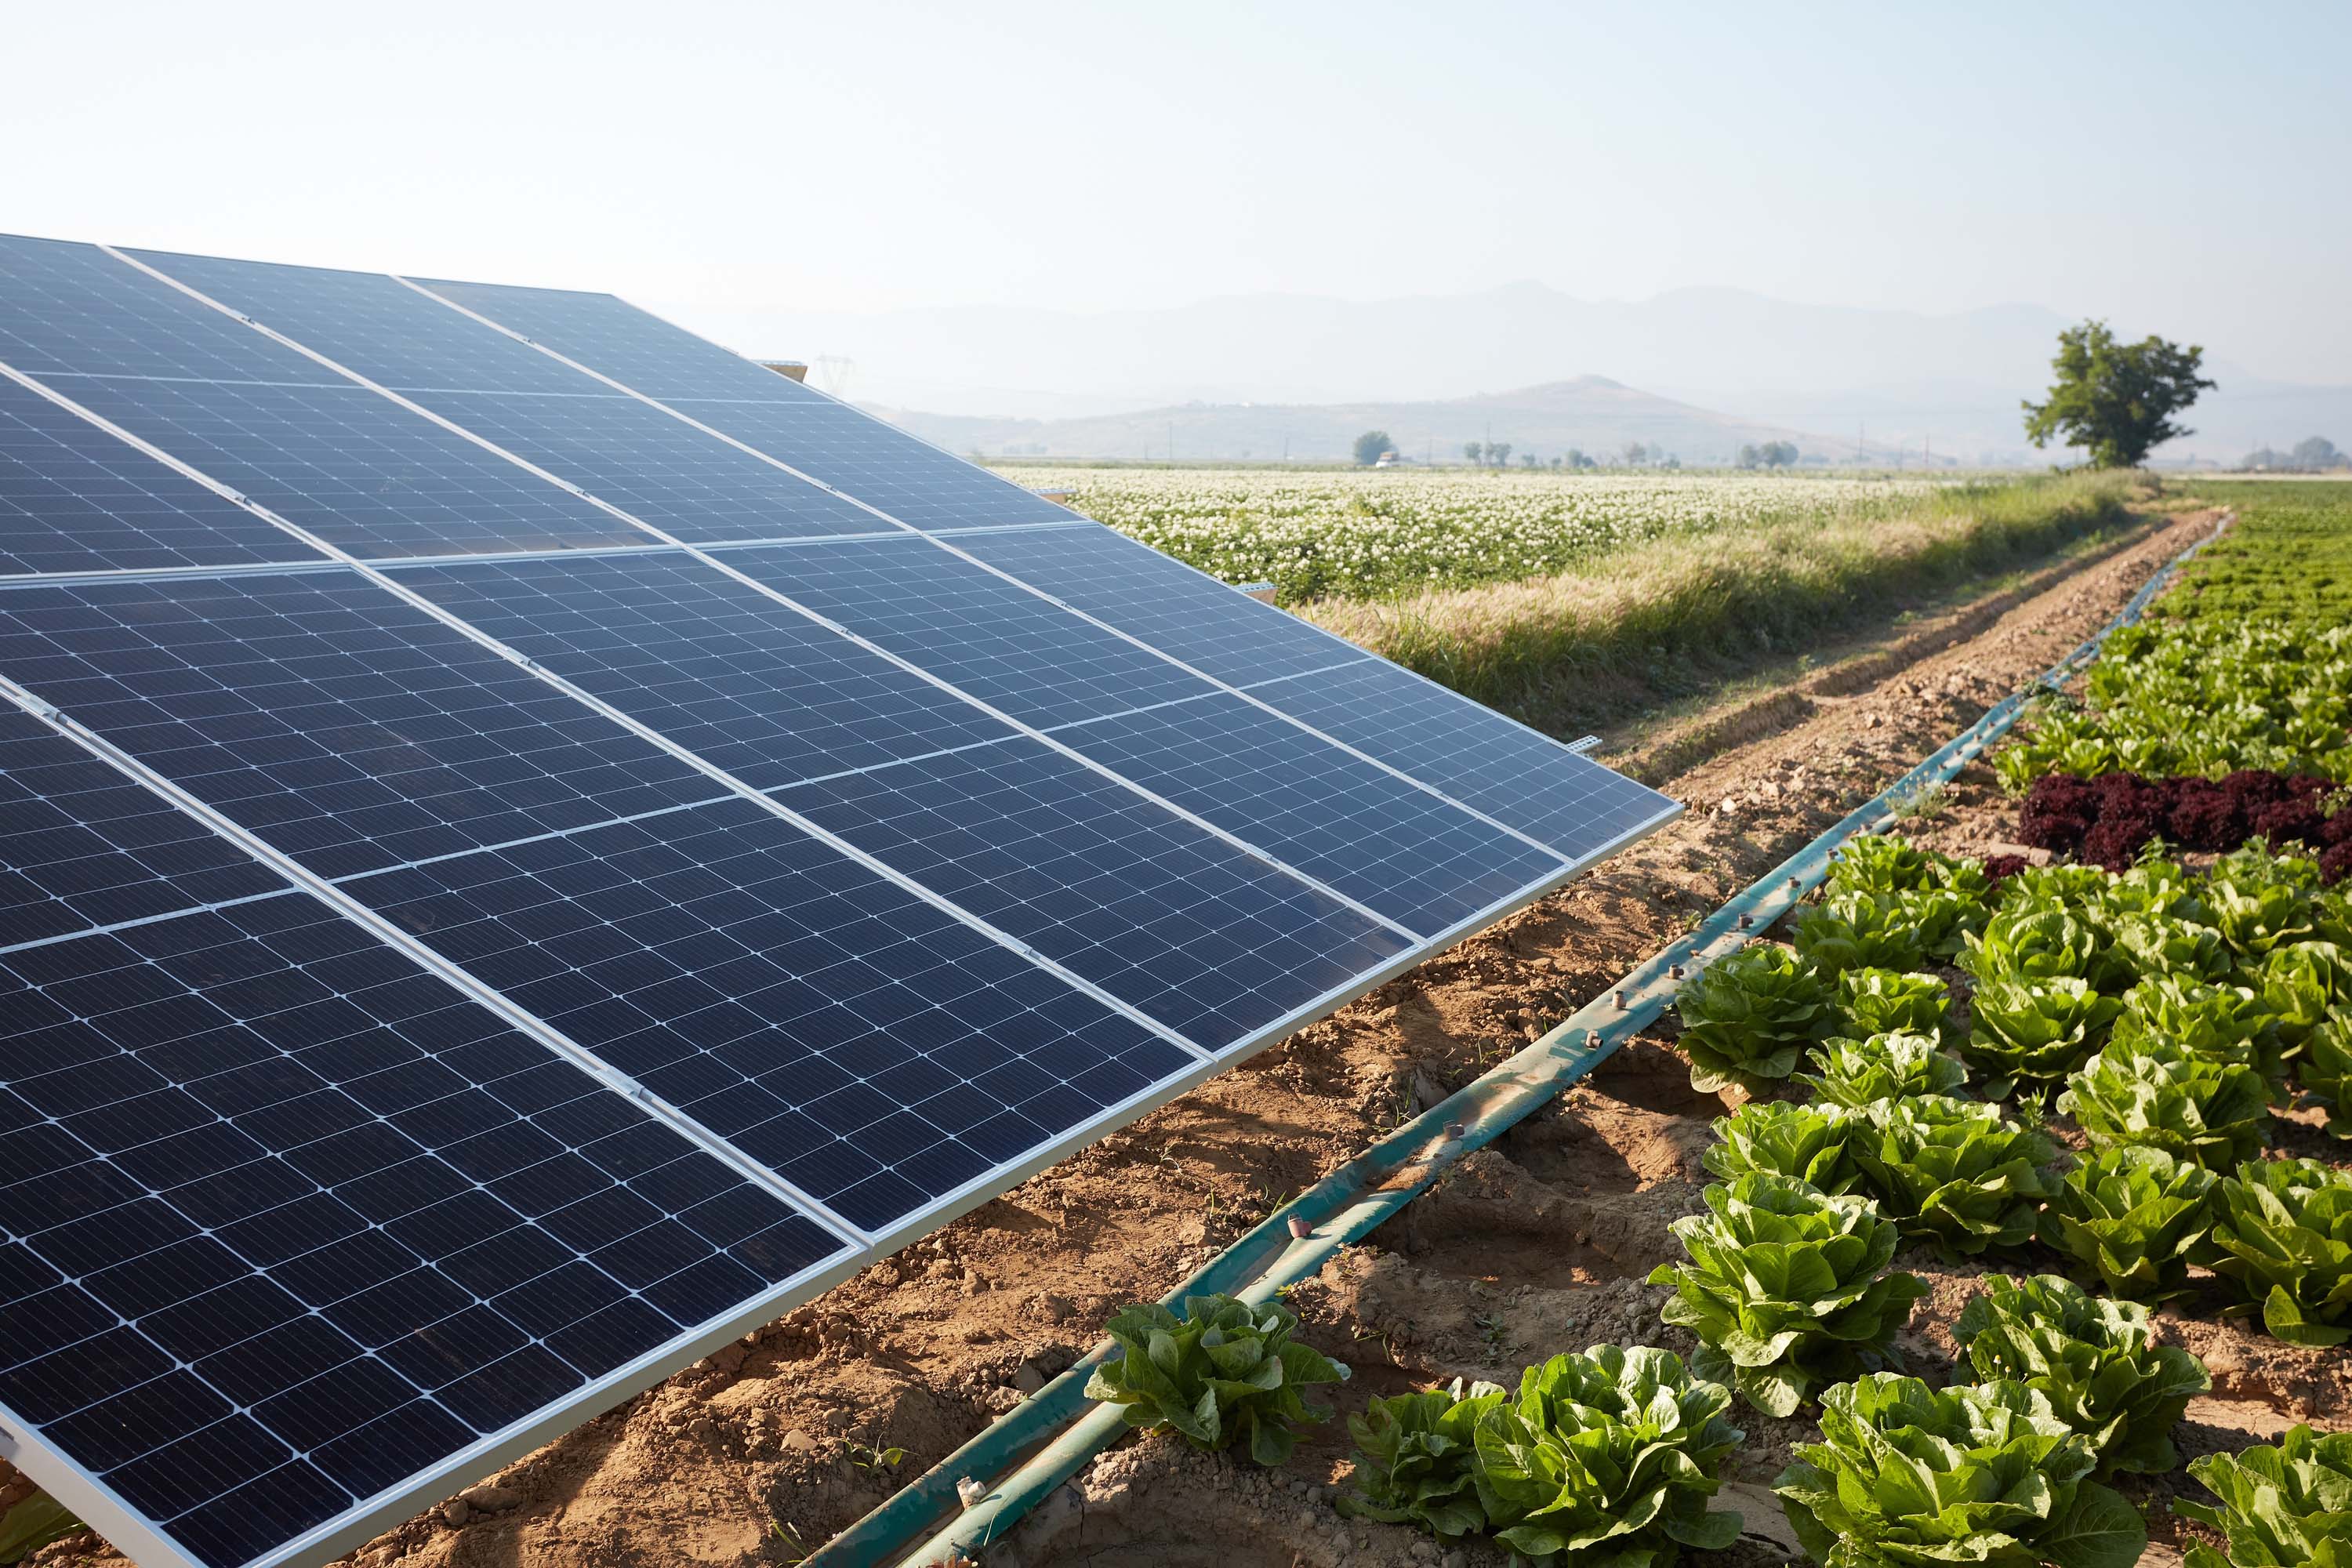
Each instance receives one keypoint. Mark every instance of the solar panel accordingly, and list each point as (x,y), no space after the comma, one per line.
(611,445)
(917,484)
(346,728)
(875,1051)
(771,697)
(992,639)
(456,972)
(360,471)
(289,1222)
(83,847)
(75,498)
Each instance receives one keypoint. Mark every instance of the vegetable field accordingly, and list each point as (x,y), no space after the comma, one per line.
(1376,533)
(2100,1080)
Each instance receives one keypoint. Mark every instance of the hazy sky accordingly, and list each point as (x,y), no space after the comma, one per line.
(2180,168)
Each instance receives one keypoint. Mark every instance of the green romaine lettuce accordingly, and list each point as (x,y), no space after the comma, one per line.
(1885,1067)
(1786,1289)
(2283,1506)
(1955,1171)
(2282,1230)
(2134,1217)
(2222,1023)
(1887,1001)
(1417,1459)
(1225,1371)
(1905,1476)
(1607,1460)
(1748,1018)
(1775,1138)
(2026,1036)
(2150,1092)
(2095,1359)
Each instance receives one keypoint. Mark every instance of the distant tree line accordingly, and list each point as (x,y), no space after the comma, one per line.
(2312,454)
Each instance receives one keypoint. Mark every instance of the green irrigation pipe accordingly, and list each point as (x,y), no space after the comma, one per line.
(1018,1461)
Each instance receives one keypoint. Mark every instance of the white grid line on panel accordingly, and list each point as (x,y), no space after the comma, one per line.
(834,841)
(1231,839)
(1021,584)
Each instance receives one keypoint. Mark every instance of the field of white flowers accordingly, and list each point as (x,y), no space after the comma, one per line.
(1378,533)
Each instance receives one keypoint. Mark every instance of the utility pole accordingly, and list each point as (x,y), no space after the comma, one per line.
(1171,441)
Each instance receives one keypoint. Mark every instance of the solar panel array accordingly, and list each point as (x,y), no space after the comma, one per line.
(530,844)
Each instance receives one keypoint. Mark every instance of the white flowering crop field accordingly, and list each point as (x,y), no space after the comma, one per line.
(1376,533)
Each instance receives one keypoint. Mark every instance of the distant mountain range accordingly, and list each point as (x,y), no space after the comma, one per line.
(1895,381)
(1592,414)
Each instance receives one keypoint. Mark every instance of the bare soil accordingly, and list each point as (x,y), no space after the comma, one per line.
(1540,1243)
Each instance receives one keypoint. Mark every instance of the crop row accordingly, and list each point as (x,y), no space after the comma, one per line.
(2247,664)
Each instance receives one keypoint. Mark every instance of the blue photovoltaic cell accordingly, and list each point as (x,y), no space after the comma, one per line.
(75,498)
(1216,629)
(873,1050)
(81,845)
(911,479)
(714,665)
(653,466)
(344,727)
(1473,754)
(287,1221)
(1416,858)
(1155,911)
(1004,645)
(616,448)
(610,335)
(326,454)
(857,454)
(373,323)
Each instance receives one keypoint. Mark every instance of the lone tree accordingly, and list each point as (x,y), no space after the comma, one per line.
(2115,399)
(1369,446)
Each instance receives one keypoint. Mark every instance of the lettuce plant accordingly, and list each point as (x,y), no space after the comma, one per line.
(2282,1230)
(2071,887)
(2157,944)
(1748,1018)
(2328,1073)
(2228,1024)
(2026,1036)
(1786,1289)
(2150,1092)
(1774,1138)
(2254,916)
(1417,1459)
(2095,1359)
(1607,1460)
(2133,1216)
(2044,944)
(2302,985)
(1954,1171)
(1887,1001)
(1225,1371)
(2287,1505)
(1885,1067)
(1987,1474)
(1862,930)
(1882,863)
